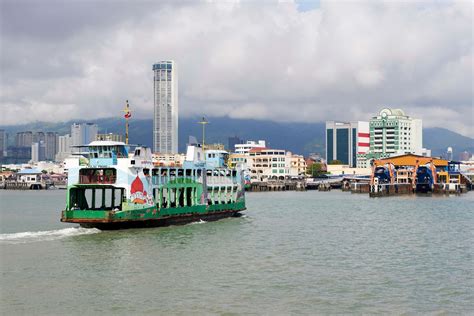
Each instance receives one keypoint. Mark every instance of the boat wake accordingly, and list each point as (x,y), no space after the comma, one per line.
(200,222)
(27,237)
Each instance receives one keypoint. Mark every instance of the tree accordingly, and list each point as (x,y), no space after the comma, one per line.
(315,170)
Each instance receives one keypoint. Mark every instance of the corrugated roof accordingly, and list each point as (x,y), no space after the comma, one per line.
(29,171)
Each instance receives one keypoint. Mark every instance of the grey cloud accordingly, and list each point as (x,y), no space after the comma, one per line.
(344,61)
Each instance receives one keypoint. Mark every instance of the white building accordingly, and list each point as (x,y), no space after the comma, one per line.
(346,140)
(165,117)
(393,133)
(250,144)
(64,147)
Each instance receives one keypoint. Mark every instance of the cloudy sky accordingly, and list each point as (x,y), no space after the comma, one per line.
(279,60)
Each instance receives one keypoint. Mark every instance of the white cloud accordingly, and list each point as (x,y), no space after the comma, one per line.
(344,60)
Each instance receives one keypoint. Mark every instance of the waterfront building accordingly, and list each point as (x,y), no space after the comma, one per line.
(168,160)
(110,137)
(250,144)
(64,147)
(297,165)
(345,141)
(82,134)
(238,159)
(24,139)
(165,117)
(392,132)
(266,164)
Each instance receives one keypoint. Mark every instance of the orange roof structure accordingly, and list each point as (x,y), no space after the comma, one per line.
(412,160)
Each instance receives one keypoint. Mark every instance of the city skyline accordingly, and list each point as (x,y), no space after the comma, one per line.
(277,61)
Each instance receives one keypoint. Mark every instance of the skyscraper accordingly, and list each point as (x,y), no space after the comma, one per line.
(345,140)
(165,118)
(51,145)
(82,134)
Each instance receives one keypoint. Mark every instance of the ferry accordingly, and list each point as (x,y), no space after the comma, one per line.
(114,188)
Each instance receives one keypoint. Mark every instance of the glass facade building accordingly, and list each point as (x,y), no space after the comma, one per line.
(345,140)
(165,116)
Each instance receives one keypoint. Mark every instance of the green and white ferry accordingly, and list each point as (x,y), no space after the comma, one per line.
(115,189)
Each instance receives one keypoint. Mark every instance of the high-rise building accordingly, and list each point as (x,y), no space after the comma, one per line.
(165,118)
(82,134)
(64,147)
(38,151)
(38,137)
(24,139)
(345,140)
(392,132)
(51,145)
(3,144)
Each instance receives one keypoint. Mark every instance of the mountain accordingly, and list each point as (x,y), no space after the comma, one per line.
(301,138)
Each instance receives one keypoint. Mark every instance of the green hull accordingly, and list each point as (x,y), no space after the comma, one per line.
(152,216)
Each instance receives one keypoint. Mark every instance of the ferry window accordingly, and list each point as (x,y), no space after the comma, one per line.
(180,172)
(172,197)
(189,196)
(98,199)
(118,198)
(108,198)
(188,172)
(199,172)
(181,197)
(146,171)
(137,152)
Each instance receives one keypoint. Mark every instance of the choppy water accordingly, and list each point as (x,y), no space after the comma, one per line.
(293,253)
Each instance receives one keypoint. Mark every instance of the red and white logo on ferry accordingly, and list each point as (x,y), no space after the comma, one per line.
(137,193)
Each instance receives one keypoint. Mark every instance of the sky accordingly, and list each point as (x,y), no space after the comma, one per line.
(304,61)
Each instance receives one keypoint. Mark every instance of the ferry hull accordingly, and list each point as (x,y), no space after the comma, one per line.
(110,224)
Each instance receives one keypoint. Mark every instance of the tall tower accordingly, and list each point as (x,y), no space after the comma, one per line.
(165,118)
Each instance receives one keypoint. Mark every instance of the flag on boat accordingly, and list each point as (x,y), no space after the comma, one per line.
(128,113)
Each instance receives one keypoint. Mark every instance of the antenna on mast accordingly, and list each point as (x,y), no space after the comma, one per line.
(203,122)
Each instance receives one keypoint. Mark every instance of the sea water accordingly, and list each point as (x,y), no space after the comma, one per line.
(292,253)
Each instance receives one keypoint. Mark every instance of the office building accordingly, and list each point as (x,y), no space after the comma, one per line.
(345,140)
(393,133)
(165,117)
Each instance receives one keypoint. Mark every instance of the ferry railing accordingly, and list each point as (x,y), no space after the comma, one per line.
(97,179)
